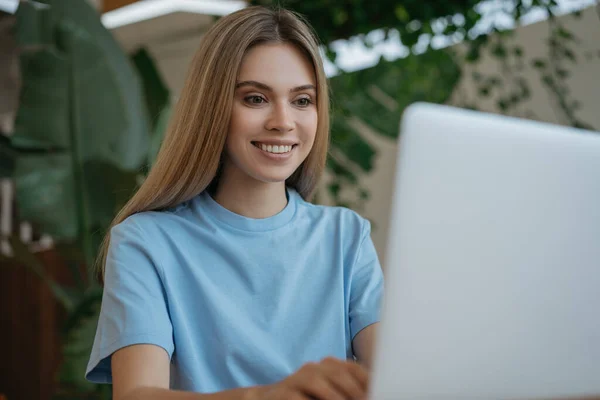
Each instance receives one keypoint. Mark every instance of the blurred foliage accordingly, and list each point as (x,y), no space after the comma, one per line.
(342,19)
(86,129)
(508,87)
(555,73)
(156,93)
(72,80)
(374,97)
(158,101)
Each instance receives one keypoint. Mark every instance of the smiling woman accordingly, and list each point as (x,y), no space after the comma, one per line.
(220,276)
(274,118)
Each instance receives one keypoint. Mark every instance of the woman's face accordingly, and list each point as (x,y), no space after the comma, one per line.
(274,118)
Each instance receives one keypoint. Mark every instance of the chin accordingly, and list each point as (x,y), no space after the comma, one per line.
(272,177)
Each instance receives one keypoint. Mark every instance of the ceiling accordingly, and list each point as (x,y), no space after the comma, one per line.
(160,22)
(169,29)
(162,32)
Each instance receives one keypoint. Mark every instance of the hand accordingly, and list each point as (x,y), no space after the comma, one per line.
(330,379)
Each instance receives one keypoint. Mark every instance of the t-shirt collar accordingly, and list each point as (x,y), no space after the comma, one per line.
(251,224)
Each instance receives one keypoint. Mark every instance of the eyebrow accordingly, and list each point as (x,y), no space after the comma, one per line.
(268,88)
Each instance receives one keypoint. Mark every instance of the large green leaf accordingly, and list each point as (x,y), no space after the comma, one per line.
(42,120)
(45,191)
(82,113)
(81,82)
(109,117)
(37,23)
(46,182)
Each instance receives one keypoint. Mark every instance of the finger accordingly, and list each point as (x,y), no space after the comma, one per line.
(287,393)
(318,387)
(360,374)
(347,384)
(296,396)
(357,370)
(343,379)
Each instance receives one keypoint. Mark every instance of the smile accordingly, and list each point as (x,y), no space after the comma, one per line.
(274,149)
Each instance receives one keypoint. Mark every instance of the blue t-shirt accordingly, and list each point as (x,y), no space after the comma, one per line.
(237,301)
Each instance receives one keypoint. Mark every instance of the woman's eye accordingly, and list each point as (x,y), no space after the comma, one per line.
(256,100)
(303,102)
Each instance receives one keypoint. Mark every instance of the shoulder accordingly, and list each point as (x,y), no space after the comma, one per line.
(345,220)
(145,238)
(150,226)
(340,214)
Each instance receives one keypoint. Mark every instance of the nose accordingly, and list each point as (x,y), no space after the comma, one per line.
(280,119)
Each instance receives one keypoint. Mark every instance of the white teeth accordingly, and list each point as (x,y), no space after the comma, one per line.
(274,149)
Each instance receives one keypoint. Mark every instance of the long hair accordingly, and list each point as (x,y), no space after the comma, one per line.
(190,156)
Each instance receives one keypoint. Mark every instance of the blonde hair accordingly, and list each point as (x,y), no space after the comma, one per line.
(189,158)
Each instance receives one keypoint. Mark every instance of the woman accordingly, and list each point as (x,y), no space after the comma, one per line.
(220,278)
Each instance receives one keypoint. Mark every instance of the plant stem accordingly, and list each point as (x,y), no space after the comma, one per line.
(77,159)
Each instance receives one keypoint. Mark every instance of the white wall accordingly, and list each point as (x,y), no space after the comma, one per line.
(584,81)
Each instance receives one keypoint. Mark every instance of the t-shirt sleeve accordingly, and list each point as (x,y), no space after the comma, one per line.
(366,285)
(134,307)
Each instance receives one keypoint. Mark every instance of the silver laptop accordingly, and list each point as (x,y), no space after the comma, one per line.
(493,261)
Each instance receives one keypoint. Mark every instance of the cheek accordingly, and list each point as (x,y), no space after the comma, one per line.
(309,126)
(237,116)
(242,123)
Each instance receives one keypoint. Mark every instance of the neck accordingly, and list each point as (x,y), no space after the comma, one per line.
(250,198)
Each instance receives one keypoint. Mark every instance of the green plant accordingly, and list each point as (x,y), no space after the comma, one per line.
(86,129)
(374,97)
